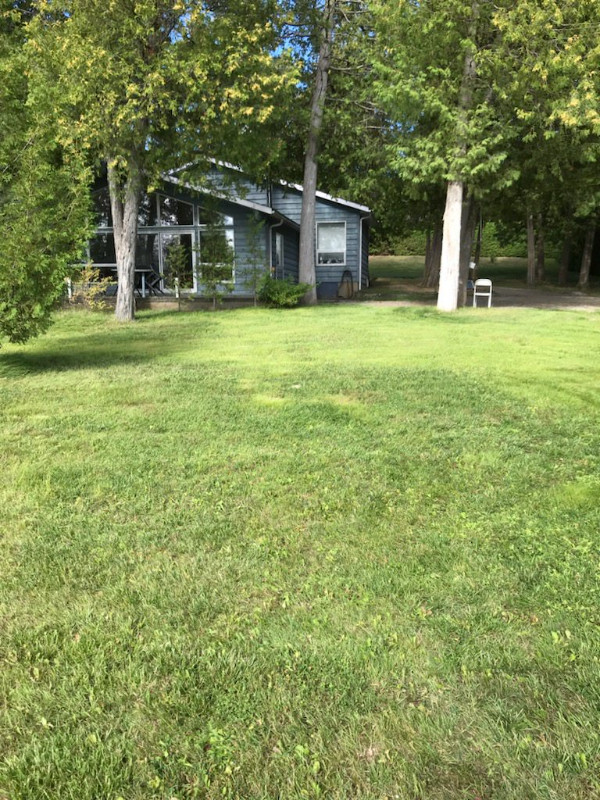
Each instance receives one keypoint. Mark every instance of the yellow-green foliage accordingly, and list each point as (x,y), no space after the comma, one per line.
(89,288)
(155,79)
(44,217)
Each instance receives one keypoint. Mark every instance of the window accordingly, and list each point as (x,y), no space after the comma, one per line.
(217,253)
(178,259)
(147,211)
(101,202)
(278,263)
(331,242)
(175,212)
(102,249)
(207,216)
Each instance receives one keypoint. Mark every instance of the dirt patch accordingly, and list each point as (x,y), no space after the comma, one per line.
(503,297)
(540,298)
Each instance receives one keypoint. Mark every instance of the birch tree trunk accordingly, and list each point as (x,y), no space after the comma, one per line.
(450,265)
(530,250)
(586,260)
(307,270)
(124,202)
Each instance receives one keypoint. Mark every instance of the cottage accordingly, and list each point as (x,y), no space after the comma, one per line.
(255,228)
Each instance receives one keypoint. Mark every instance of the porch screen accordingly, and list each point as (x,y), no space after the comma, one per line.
(102,249)
(146,252)
(147,211)
(217,254)
(175,212)
(101,201)
(331,243)
(178,259)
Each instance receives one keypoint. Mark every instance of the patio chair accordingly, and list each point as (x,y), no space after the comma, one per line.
(482,288)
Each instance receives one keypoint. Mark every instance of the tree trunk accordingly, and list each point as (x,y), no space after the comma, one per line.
(477,255)
(565,259)
(124,202)
(433,277)
(427,268)
(450,265)
(451,246)
(469,220)
(540,251)
(586,260)
(307,270)
(530,250)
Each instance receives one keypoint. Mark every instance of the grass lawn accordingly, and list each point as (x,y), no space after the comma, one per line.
(341,552)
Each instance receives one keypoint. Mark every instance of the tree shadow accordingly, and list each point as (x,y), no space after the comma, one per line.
(428,312)
(104,348)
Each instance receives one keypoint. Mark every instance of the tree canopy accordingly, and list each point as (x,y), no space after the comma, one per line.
(494,105)
(152,84)
(44,199)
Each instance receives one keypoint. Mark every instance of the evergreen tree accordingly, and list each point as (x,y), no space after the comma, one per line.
(44,206)
(151,85)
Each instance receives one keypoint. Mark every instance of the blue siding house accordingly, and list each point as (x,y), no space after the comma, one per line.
(259,226)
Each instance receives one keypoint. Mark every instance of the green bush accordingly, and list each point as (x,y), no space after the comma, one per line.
(281,293)
(498,242)
(495,242)
(412,244)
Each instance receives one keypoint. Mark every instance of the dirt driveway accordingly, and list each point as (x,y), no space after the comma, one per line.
(539,298)
(505,297)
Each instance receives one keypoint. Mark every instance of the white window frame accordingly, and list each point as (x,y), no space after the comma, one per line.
(318,252)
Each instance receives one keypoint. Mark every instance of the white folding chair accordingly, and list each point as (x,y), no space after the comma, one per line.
(482,288)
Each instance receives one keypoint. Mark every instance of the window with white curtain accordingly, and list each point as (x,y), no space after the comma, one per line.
(331,242)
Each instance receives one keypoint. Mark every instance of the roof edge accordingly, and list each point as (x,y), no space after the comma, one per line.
(222,196)
(299,188)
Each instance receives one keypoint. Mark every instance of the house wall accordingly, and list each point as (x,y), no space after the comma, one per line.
(251,251)
(288,201)
(251,243)
(291,254)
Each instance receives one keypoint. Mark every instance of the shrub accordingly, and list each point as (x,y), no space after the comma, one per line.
(412,244)
(89,289)
(281,294)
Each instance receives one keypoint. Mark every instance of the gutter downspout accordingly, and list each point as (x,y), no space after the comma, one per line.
(360,250)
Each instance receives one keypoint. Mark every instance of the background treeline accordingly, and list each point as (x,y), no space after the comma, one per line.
(495,243)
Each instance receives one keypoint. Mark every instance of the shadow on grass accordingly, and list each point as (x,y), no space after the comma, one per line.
(108,347)
(431,312)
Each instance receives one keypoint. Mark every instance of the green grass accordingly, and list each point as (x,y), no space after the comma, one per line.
(342,552)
